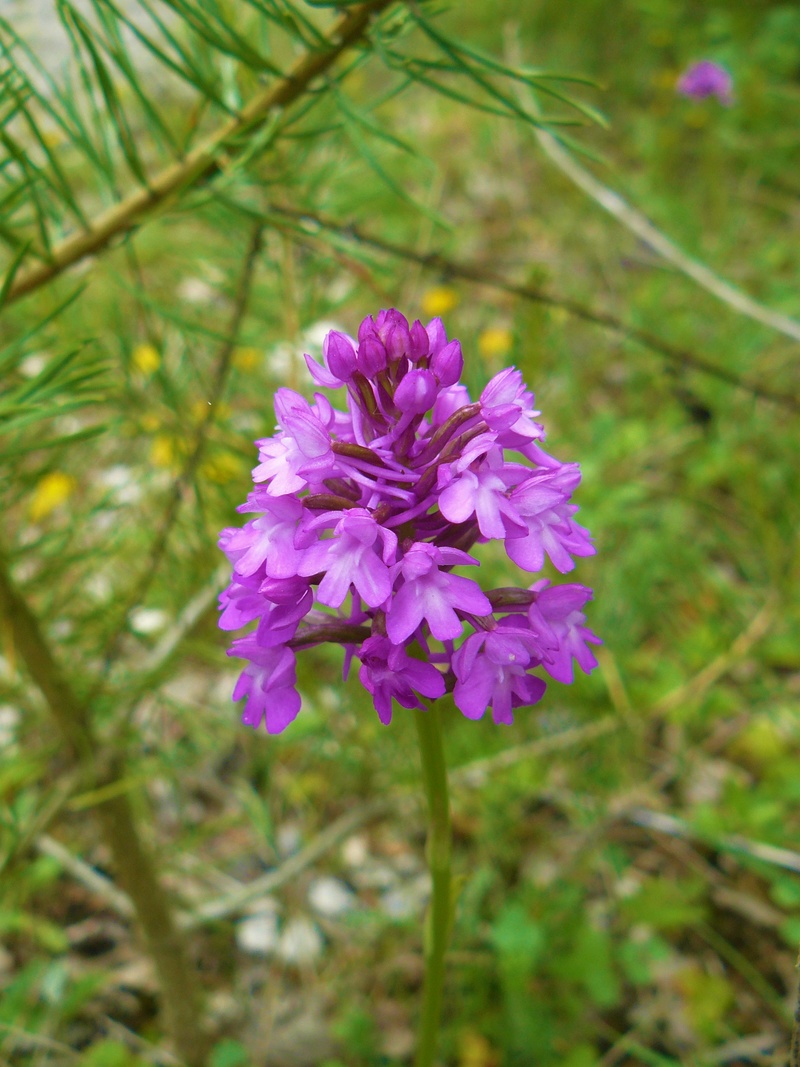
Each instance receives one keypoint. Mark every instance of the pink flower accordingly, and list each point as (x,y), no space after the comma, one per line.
(389,672)
(706,79)
(363,514)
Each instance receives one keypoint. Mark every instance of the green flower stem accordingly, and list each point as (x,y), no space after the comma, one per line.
(439,920)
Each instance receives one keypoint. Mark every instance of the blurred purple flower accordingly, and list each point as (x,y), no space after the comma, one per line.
(706,79)
(379,503)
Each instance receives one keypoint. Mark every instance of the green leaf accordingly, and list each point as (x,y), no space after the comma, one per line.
(229,1053)
(665,905)
(109,1054)
(72,19)
(51,937)
(518,940)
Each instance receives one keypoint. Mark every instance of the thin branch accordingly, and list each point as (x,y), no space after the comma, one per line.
(205,160)
(135,1041)
(341,828)
(186,477)
(661,823)
(24,1039)
(311,223)
(86,875)
(696,686)
(637,223)
(475,772)
(154,661)
(180,989)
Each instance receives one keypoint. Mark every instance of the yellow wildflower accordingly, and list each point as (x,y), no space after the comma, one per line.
(438,301)
(221,468)
(53,490)
(150,422)
(247,358)
(163,452)
(475,1051)
(146,359)
(495,342)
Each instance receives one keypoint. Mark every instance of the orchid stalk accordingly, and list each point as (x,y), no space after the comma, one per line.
(361,518)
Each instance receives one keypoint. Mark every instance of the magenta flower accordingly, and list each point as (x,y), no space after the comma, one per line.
(362,516)
(706,79)
(429,593)
(389,672)
(269,683)
(492,670)
(558,608)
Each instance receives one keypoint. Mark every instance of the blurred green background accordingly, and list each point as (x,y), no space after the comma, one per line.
(629,851)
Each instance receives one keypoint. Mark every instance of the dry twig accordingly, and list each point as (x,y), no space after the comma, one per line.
(311,223)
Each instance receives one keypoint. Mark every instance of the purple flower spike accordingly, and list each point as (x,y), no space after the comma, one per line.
(706,79)
(362,515)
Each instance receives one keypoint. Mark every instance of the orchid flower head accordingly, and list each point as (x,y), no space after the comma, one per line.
(362,516)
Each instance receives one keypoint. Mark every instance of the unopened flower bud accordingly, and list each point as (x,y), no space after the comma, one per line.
(339,355)
(437,337)
(416,392)
(397,341)
(419,342)
(371,359)
(366,328)
(448,363)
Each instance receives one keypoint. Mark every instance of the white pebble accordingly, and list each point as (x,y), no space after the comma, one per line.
(258,934)
(288,839)
(330,897)
(300,942)
(148,620)
(355,851)
(9,719)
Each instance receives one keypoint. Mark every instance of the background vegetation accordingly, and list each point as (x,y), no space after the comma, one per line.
(629,850)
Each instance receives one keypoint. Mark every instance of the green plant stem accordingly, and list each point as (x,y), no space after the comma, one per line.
(105,773)
(437,932)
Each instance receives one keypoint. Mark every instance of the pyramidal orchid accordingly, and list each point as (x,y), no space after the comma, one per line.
(362,517)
